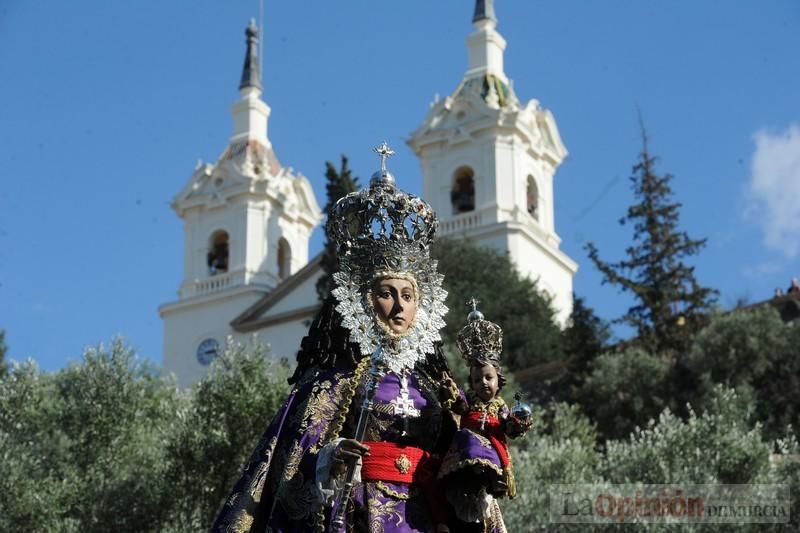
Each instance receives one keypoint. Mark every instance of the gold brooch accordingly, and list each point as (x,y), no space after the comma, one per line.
(403,464)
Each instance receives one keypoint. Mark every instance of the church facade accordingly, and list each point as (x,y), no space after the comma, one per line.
(488,163)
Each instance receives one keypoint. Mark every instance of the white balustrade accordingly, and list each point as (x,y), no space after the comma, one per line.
(212,284)
(460,223)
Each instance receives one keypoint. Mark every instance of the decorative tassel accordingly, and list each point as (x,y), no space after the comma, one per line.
(510,481)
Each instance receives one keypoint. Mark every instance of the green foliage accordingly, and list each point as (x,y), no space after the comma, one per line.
(29,492)
(558,450)
(736,347)
(108,445)
(82,446)
(218,423)
(669,302)
(718,446)
(584,339)
(338,184)
(625,390)
(751,349)
(786,471)
(530,333)
(458,367)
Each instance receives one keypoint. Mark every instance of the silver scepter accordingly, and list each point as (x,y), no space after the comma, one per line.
(342,496)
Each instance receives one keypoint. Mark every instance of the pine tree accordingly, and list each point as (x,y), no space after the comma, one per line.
(338,184)
(669,302)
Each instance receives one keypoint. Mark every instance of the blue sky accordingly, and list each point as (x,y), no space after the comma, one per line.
(105,108)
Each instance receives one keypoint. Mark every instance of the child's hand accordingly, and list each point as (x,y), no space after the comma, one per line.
(516,427)
(499,487)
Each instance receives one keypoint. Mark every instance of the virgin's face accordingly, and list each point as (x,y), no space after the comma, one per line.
(395,303)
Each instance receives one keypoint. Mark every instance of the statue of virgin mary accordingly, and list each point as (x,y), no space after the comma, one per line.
(358,443)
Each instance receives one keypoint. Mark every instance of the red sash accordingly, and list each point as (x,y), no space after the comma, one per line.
(392,462)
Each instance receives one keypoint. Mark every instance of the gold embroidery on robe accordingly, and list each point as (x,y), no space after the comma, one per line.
(376,427)
(249,497)
(310,406)
(380,511)
(293,461)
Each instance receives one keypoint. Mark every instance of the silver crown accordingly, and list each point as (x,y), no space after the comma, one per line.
(382,228)
(480,341)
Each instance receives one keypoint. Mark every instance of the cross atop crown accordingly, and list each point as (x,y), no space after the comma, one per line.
(384,152)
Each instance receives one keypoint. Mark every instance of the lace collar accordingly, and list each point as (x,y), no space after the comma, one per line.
(358,317)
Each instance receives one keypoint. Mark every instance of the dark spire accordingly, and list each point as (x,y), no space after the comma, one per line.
(484,9)
(251,76)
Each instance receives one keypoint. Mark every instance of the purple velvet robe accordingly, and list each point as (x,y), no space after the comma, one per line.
(278,492)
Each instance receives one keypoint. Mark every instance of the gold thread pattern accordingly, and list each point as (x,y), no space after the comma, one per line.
(345,398)
(293,461)
(342,399)
(387,491)
(380,511)
(451,467)
(492,407)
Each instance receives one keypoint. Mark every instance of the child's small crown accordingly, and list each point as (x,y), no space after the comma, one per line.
(480,341)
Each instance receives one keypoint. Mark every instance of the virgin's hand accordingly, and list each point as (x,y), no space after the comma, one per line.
(347,450)
(450,396)
(447,388)
(350,449)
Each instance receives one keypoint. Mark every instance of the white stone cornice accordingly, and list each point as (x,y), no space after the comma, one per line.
(203,300)
(481,232)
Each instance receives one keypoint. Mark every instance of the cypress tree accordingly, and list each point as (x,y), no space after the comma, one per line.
(339,183)
(670,304)
(3,350)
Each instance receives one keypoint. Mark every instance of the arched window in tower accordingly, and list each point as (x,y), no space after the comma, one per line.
(284,259)
(463,194)
(217,256)
(533,198)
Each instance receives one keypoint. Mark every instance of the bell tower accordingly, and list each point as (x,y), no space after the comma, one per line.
(247,221)
(488,163)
